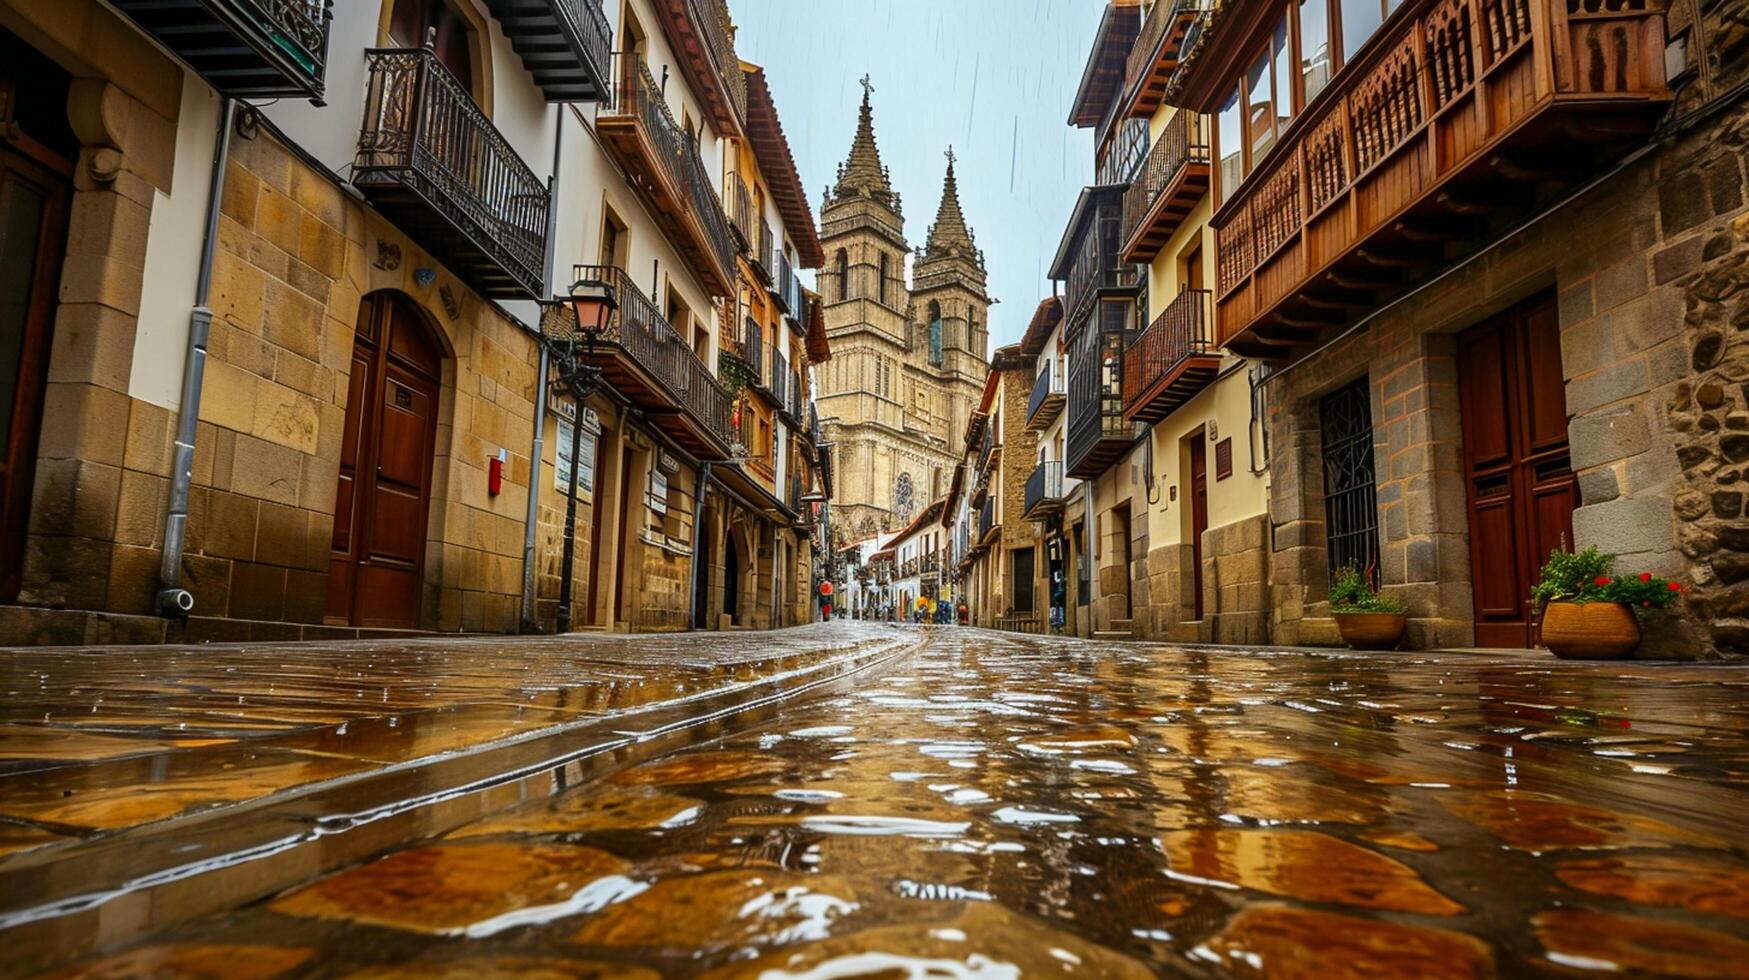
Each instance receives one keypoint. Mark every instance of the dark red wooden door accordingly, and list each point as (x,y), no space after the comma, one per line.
(1199,511)
(1518,474)
(376,570)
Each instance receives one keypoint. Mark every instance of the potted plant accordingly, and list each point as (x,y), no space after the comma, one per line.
(1367,620)
(1589,612)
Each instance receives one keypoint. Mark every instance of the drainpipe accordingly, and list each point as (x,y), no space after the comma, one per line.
(537,445)
(698,570)
(536,453)
(1088,519)
(173,600)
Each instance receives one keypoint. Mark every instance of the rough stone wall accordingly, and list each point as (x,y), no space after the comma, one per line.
(1235,582)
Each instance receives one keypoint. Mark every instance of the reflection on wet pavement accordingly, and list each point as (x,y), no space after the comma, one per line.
(1001,805)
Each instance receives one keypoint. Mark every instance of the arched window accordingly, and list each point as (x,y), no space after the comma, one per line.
(935,334)
(843,266)
(903,498)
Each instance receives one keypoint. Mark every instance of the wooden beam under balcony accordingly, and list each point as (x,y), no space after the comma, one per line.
(698,32)
(663,164)
(1378,185)
(1155,56)
(1171,361)
(566,45)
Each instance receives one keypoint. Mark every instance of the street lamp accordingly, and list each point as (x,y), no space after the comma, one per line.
(585,313)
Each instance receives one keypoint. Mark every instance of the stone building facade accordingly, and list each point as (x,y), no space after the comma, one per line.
(908,360)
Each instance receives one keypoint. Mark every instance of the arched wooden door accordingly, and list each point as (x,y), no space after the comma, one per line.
(376,569)
(37,149)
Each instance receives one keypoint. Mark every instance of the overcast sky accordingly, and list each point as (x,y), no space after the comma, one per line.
(992,77)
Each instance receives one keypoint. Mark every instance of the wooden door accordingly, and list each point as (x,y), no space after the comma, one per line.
(33,225)
(1518,475)
(376,568)
(1199,510)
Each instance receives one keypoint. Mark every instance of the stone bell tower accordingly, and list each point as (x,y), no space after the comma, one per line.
(950,310)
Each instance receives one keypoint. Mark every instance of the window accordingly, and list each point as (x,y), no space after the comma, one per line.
(1283,60)
(1351,513)
(881,288)
(586,449)
(1259,109)
(1360,18)
(615,240)
(935,334)
(1229,130)
(843,266)
(1315,67)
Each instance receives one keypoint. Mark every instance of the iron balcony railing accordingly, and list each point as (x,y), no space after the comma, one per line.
(1183,142)
(782,280)
(778,383)
(1184,329)
(638,328)
(1047,385)
(763,252)
(244,48)
(637,95)
(589,26)
(749,349)
(792,402)
(931,563)
(986,517)
(740,203)
(1045,485)
(1098,431)
(430,149)
(712,20)
(1166,17)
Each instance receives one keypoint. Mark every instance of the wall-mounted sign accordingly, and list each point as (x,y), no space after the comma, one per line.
(562,452)
(658,492)
(667,462)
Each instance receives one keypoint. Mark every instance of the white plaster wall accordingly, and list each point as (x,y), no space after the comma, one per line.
(173,244)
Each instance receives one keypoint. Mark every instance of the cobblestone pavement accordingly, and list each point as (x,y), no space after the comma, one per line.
(1000,805)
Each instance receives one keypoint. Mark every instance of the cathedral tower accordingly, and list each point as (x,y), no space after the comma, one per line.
(896,393)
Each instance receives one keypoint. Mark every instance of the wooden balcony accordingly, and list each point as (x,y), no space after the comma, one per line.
(432,162)
(566,45)
(649,364)
(663,163)
(1046,401)
(1462,117)
(1098,432)
(1155,56)
(251,49)
(698,32)
(1172,180)
(1172,360)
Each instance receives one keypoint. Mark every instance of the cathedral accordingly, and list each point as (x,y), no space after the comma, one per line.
(908,360)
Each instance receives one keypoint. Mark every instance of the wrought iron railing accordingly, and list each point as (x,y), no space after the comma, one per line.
(986,517)
(1095,400)
(637,95)
(712,20)
(1045,484)
(1184,141)
(638,328)
(783,282)
(1185,328)
(1144,55)
(762,251)
(422,131)
(1048,383)
(778,383)
(748,346)
(740,203)
(589,25)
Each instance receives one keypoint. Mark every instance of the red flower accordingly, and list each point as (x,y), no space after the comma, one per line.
(1674,586)
(1646,602)
(1645,576)
(1602,580)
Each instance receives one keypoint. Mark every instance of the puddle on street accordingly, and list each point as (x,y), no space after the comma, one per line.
(1002,806)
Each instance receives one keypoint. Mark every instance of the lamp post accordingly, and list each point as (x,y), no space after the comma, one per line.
(584,313)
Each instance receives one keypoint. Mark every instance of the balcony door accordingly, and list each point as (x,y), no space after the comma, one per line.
(376,568)
(1519,476)
(36,164)
(1198,512)
(413,22)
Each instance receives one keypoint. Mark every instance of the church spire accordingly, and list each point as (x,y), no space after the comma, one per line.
(949,234)
(862,173)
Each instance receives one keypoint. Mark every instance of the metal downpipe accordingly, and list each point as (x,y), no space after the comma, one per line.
(536,453)
(172,599)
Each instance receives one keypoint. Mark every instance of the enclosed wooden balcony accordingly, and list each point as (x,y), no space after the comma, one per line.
(652,366)
(663,163)
(698,32)
(1171,182)
(1461,117)
(566,45)
(1098,432)
(432,162)
(1172,360)
(250,49)
(1088,260)
(1046,401)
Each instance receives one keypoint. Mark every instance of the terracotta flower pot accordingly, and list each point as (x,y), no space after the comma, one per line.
(1372,631)
(1590,630)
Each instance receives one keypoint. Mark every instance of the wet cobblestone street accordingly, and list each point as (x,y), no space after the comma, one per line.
(998,805)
